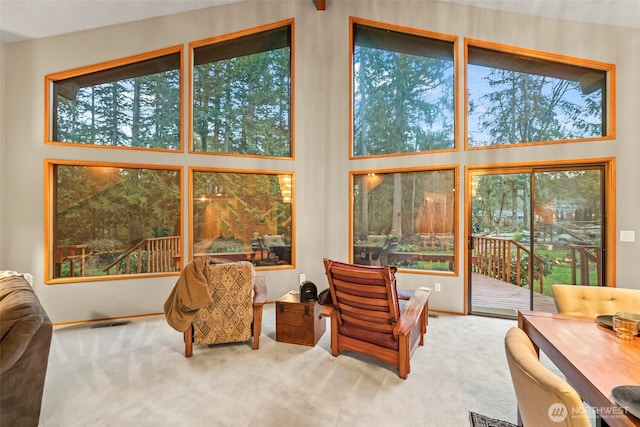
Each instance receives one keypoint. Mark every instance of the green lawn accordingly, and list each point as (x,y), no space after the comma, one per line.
(561,273)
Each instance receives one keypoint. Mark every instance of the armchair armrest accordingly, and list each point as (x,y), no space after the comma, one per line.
(327,310)
(260,288)
(17,339)
(412,311)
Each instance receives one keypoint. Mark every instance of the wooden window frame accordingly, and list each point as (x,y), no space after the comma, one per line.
(522,59)
(50,251)
(131,66)
(292,223)
(438,42)
(453,268)
(243,47)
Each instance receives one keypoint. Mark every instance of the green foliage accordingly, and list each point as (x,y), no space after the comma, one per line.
(402,102)
(131,112)
(242,104)
(222,245)
(512,107)
(161,232)
(65,269)
(397,201)
(547,267)
(135,259)
(110,209)
(407,248)
(100,246)
(251,204)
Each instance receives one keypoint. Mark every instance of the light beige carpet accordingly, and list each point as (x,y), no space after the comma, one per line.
(135,374)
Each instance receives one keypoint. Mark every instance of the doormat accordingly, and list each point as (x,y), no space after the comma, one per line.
(478,420)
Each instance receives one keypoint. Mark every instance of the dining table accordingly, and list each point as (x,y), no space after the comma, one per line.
(591,357)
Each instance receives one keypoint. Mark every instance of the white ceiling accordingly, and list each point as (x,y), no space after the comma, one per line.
(31,19)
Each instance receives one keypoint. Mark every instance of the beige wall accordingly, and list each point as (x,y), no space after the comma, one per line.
(321,133)
(2,145)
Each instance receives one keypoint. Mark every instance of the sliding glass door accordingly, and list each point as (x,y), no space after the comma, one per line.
(529,229)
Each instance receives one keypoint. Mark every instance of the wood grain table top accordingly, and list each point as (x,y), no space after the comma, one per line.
(591,357)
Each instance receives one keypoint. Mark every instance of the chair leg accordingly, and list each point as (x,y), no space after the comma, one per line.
(374,260)
(257,326)
(403,358)
(188,342)
(335,351)
(423,324)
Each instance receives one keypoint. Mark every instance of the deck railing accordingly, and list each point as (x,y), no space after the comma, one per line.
(153,255)
(586,255)
(492,257)
(71,254)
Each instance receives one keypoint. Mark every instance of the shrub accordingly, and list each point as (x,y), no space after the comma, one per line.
(524,267)
(221,245)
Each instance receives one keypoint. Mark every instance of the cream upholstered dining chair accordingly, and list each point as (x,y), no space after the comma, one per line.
(544,399)
(593,301)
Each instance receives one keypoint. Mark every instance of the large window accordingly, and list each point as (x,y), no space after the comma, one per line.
(129,103)
(403,91)
(405,218)
(517,96)
(243,216)
(242,93)
(116,220)
(112,220)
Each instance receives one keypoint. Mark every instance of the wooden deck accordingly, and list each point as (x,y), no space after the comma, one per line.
(495,297)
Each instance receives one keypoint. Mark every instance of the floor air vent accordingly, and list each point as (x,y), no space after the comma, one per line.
(108,324)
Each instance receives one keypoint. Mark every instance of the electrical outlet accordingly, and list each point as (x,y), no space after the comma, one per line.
(437,287)
(302,277)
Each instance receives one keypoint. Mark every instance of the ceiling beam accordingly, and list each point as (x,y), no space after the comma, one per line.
(320,4)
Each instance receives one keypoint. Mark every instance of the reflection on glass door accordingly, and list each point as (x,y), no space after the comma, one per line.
(501,242)
(532,228)
(568,229)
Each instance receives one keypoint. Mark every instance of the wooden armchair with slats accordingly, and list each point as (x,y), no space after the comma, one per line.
(368,316)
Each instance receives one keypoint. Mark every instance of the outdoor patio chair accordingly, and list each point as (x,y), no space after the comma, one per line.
(277,247)
(373,251)
(367,316)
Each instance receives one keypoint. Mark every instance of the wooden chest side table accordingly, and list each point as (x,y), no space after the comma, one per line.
(298,322)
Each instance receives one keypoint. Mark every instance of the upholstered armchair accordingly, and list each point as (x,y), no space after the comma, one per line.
(216,303)
(537,388)
(368,316)
(593,301)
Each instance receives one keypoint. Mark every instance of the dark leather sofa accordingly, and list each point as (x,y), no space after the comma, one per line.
(25,340)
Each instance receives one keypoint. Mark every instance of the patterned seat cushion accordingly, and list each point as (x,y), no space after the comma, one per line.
(229,317)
